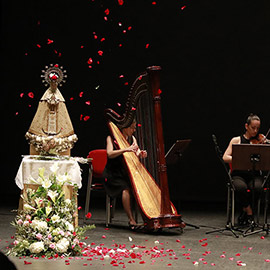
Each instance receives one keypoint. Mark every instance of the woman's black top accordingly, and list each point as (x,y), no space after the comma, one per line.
(244,140)
(116,176)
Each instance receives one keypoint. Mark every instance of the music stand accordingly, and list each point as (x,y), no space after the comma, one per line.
(173,156)
(253,158)
(230,196)
(176,151)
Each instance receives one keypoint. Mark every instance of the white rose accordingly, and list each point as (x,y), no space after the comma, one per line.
(36,247)
(40,225)
(62,245)
(68,201)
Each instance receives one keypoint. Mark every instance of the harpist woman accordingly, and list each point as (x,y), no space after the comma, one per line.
(117,180)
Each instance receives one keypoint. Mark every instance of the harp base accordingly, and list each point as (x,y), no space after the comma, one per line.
(166,221)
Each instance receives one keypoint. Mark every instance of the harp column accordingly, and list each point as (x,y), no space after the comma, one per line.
(154,78)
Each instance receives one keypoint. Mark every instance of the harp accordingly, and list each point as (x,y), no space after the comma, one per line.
(149,181)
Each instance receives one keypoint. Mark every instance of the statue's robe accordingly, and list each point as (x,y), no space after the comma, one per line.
(51,126)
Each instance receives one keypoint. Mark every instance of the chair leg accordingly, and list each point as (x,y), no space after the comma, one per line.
(108,210)
(258,210)
(230,215)
(88,192)
(233,208)
(113,203)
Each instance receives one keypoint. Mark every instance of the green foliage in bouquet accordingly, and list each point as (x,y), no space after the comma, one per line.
(45,226)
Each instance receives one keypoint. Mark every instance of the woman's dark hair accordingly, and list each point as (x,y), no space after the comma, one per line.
(252,117)
(129,124)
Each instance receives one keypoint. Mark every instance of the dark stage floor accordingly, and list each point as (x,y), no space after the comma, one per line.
(170,249)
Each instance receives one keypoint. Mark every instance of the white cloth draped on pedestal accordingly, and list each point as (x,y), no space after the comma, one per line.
(29,168)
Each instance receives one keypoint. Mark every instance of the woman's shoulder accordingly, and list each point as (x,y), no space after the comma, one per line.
(236,140)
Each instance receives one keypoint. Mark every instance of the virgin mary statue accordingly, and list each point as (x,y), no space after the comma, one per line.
(51,131)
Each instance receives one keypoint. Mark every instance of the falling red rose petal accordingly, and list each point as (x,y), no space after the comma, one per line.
(100,53)
(50,41)
(89,215)
(31,94)
(107,11)
(87,102)
(86,118)
(120,2)
(90,61)
(81,94)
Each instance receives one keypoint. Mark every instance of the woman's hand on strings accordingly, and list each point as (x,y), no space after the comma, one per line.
(132,148)
(143,154)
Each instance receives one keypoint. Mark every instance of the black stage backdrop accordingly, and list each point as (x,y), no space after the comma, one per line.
(215,61)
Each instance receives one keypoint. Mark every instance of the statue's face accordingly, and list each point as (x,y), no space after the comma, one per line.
(53,85)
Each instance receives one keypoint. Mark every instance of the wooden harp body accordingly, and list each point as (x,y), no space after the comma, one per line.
(150,186)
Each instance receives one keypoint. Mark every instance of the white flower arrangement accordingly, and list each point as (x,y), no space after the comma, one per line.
(51,145)
(45,226)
